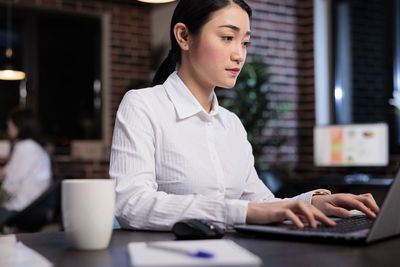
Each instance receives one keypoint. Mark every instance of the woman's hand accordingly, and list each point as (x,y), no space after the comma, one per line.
(340,204)
(297,212)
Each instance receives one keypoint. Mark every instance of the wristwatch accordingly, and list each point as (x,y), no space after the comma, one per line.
(321,192)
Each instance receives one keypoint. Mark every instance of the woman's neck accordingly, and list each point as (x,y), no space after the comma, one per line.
(201,90)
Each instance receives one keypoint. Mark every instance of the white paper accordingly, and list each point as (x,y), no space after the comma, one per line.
(226,253)
(16,254)
(7,246)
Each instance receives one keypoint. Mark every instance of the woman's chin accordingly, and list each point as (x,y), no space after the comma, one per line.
(227,85)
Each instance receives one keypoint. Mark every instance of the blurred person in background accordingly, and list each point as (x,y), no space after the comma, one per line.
(27,173)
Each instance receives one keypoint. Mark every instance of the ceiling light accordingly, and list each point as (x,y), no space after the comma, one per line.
(156,1)
(7,70)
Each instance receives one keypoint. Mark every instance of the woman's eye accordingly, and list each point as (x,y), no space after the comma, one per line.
(227,38)
(246,43)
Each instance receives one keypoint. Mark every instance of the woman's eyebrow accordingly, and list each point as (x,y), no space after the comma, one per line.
(233,27)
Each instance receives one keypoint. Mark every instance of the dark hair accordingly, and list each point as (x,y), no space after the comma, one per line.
(26,123)
(194,14)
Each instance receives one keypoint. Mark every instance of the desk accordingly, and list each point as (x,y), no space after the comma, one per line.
(53,246)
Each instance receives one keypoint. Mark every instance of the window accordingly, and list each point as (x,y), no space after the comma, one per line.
(69,87)
(61,54)
(356,62)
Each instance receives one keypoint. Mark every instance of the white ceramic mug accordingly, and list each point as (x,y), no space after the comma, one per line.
(88,212)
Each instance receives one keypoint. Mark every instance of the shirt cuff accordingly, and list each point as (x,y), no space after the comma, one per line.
(236,211)
(306,197)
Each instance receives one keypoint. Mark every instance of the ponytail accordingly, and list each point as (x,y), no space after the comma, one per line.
(166,68)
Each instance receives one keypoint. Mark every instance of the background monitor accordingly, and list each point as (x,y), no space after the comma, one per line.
(351,145)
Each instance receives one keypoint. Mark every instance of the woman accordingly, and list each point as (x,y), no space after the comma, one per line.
(28,172)
(177,154)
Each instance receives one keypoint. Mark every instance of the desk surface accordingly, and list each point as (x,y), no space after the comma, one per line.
(53,246)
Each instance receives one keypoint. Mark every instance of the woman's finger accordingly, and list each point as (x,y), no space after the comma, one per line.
(302,218)
(306,211)
(369,201)
(291,216)
(338,212)
(354,203)
(320,216)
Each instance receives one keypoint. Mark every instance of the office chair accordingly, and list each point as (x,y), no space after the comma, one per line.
(40,212)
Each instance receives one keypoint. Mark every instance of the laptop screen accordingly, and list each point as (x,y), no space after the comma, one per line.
(351,145)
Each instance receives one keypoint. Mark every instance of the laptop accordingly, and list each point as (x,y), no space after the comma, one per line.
(357,229)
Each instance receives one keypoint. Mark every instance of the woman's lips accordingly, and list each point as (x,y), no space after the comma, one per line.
(234,71)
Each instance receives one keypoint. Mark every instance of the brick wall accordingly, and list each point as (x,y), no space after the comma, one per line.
(282,33)
(129,54)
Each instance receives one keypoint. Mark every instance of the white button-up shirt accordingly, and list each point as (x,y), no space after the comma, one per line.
(172,160)
(27,174)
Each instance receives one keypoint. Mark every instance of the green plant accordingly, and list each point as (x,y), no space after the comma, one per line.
(250,100)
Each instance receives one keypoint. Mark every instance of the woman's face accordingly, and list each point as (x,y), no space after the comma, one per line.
(217,55)
(12,130)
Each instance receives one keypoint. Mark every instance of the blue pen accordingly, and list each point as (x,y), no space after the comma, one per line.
(197,253)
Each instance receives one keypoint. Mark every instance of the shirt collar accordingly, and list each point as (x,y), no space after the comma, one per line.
(185,103)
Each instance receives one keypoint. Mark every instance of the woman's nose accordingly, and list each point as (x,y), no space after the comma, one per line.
(238,54)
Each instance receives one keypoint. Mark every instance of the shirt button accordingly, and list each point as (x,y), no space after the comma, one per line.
(209,123)
(221,190)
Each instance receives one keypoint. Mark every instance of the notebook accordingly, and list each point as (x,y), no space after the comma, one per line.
(16,254)
(169,253)
(387,224)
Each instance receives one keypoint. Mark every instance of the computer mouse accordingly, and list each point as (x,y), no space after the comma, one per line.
(196,229)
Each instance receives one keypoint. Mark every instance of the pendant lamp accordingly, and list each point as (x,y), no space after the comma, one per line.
(7,70)
(156,1)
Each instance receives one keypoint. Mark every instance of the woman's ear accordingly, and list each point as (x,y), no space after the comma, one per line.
(181,33)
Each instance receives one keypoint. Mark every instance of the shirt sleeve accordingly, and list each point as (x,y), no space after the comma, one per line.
(132,164)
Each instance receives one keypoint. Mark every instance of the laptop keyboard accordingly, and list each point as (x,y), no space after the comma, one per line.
(352,224)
